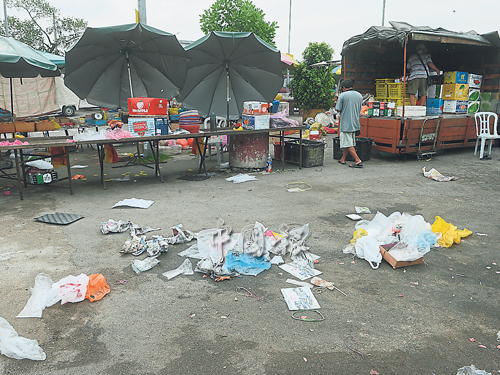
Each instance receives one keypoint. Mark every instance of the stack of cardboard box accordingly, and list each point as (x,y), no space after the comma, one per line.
(255,115)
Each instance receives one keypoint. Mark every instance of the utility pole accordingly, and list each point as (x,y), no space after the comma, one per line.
(141,7)
(289,24)
(6,21)
(383,12)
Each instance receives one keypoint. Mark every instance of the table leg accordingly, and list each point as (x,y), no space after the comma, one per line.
(202,155)
(300,149)
(100,153)
(282,153)
(18,170)
(23,171)
(68,166)
(155,149)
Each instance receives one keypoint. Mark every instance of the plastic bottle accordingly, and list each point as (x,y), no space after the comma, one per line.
(269,166)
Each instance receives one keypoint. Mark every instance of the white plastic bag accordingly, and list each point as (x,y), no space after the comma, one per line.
(13,346)
(186,268)
(143,265)
(39,296)
(367,248)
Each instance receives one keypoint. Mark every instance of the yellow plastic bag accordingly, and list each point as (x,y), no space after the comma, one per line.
(358,234)
(450,233)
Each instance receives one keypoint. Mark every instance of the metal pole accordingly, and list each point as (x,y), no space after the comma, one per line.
(227,98)
(383,12)
(141,7)
(289,33)
(6,20)
(129,75)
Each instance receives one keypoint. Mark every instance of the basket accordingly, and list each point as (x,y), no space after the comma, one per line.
(381,87)
(395,90)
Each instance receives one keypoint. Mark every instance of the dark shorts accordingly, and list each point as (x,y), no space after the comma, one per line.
(417,84)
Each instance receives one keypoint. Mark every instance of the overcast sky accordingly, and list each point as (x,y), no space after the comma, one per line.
(327,21)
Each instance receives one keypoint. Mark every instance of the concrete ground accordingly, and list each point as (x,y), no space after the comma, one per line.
(414,320)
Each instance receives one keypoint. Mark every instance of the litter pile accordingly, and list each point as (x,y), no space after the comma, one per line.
(404,237)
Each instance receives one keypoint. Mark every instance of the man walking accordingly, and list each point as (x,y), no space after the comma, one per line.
(349,105)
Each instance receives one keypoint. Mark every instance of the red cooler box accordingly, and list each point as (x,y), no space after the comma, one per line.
(147,106)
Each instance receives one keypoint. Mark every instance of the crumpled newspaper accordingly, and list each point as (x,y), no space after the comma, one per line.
(436,176)
(113,226)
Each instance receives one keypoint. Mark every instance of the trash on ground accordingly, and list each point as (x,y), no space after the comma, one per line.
(436,176)
(299,283)
(307,318)
(296,187)
(325,284)
(59,218)
(122,179)
(362,210)
(246,264)
(301,272)
(143,265)
(136,230)
(354,216)
(247,293)
(134,202)
(73,289)
(14,346)
(300,298)
(186,268)
(278,259)
(410,237)
(5,256)
(355,349)
(471,370)
(79,166)
(449,232)
(239,178)
(113,226)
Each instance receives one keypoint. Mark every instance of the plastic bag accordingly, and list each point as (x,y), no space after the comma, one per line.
(358,234)
(450,233)
(186,268)
(69,289)
(471,370)
(143,265)
(380,227)
(367,248)
(245,264)
(97,287)
(39,295)
(13,346)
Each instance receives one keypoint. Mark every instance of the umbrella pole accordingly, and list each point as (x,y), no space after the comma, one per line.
(129,75)
(11,101)
(227,98)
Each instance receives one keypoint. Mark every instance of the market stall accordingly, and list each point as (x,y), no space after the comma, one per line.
(377,63)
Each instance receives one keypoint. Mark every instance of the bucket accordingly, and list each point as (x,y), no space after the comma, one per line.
(191,128)
(314,135)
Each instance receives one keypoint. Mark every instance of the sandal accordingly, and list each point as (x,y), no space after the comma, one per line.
(341,162)
(356,165)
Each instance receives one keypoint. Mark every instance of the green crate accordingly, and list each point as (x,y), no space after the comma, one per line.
(312,152)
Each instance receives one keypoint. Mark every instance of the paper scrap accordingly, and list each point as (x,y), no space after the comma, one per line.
(239,178)
(278,259)
(300,298)
(362,210)
(436,176)
(79,166)
(134,202)
(299,283)
(354,216)
(299,271)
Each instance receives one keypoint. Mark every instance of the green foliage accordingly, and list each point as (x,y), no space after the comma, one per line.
(236,16)
(313,87)
(33,32)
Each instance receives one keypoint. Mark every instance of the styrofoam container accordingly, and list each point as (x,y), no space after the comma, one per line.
(412,111)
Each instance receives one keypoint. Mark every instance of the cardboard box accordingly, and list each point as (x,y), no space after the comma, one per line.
(456,77)
(43,126)
(147,106)
(474,95)
(161,125)
(142,126)
(24,127)
(475,81)
(255,122)
(7,128)
(434,107)
(41,176)
(458,91)
(397,263)
(455,106)
(255,108)
(473,107)
(434,91)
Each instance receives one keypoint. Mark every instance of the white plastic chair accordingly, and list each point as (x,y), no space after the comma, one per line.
(483,130)
(215,140)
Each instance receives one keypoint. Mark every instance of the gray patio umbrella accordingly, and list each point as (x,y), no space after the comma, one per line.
(18,60)
(110,64)
(227,69)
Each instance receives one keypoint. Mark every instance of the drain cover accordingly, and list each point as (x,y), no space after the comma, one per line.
(59,218)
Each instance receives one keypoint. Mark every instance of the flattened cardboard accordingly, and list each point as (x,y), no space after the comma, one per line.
(397,263)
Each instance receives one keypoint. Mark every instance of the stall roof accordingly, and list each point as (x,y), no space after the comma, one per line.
(399,30)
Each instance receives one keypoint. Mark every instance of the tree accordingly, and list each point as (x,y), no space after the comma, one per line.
(313,87)
(45,29)
(238,15)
